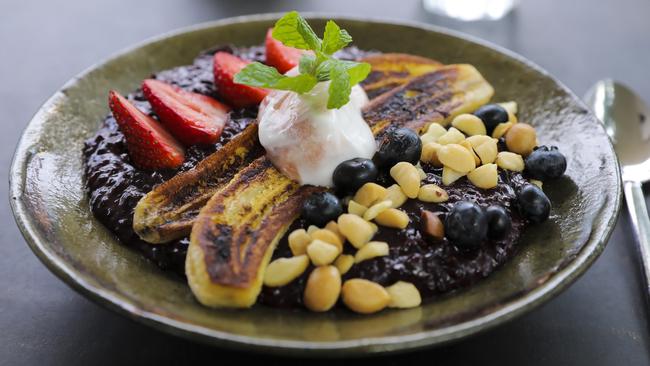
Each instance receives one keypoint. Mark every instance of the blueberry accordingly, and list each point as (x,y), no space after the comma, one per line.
(466,225)
(492,115)
(321,208)
(400,144)
(499,222)
(351,174)
(545,163)
(533,203)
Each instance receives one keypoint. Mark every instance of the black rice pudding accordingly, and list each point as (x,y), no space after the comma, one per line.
(434,266)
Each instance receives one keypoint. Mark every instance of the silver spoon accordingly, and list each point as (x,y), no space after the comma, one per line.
(627,122)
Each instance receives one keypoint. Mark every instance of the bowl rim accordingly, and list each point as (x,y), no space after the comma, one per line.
(78,281)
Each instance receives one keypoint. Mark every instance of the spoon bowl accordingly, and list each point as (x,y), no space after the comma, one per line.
(627,122)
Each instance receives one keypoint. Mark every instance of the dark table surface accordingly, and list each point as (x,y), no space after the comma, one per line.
(601,320)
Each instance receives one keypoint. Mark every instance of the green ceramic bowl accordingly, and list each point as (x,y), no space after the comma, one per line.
(51,208)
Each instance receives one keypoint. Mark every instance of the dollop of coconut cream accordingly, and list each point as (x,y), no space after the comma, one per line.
(306,141)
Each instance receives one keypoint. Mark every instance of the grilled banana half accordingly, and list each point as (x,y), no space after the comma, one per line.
(390,70)
(168,211)
(438,97)
(235,234)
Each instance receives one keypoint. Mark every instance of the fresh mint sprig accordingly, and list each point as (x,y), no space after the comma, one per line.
(319,65)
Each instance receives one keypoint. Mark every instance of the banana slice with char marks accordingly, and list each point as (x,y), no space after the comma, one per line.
(438,97)
(236,232)
(390,70)
(169,210)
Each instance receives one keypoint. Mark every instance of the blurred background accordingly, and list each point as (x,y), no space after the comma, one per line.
(601,320)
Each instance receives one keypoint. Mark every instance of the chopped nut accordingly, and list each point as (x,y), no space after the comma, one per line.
(355,208)
(449,175)
(510,107)
(469,124)
(436,129)
(487,151)
(376,209)
(521,138)
(369,194)
(426,139)
(328,237)
(433,133)
(322,289)
(512,118)
(430,154)
(371,250)
(334,227)
(312,228)
(453,136)
(403,295)
(468,146)
(485,176)
(344,262)
(374,227)
(432,193)
(432,225)
(421,171)
(298,241)
(357,230)
(478,140)
(501,129)
(393,218)
(536,182)
(395,194)
(510,161)
(363,296)
(322,253)
(408,178)
(284,270)
(457,158)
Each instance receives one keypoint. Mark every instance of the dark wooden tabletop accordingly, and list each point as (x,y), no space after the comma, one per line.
(601,320)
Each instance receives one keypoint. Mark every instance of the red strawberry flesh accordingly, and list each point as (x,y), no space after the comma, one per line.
(149,145)
(194,119)
(282,57)
(226,66)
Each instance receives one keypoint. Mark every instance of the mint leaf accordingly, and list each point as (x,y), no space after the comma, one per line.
(340,87)
(334,38)
(257,74)
(320,65)
(323,69)
(300,84)
(294,31)
(306,64)
(308,34)
(358,71)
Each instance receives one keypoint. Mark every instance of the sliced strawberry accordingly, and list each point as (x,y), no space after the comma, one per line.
(226,66)
(150,146)
(192,118)
(281,57)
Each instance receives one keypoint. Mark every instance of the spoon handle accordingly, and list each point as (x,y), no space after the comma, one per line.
(639,214)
